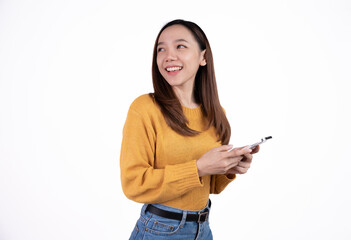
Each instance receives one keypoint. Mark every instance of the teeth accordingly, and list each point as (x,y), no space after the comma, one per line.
(172,69)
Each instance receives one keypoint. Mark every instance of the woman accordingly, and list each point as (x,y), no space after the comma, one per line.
(175,148)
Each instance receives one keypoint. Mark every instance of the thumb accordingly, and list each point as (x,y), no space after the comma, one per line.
(224,148)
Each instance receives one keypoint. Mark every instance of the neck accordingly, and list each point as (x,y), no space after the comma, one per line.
(186,97)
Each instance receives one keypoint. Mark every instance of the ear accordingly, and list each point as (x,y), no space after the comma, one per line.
(203,61)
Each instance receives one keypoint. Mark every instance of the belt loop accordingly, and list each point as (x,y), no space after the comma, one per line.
(182,222)
(143,209)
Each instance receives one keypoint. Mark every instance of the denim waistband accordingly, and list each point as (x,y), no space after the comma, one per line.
(177,210)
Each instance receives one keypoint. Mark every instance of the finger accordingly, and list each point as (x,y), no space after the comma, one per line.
(256,149)
(240,151)
(232,171)
(247,158)
(244,164)
(224,148)
(232,162)
(243,147)
(240,170)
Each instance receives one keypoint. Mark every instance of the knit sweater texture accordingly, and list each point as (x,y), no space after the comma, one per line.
(158,165)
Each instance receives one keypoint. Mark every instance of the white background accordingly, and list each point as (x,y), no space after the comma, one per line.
(70,69)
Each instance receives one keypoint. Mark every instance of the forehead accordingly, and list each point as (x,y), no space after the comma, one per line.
(176,32)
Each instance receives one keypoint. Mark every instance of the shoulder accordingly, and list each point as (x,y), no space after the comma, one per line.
(144,104)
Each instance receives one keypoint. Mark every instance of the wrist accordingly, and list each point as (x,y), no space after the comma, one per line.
(199,171)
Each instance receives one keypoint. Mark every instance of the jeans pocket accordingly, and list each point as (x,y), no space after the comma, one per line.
(163,226)
(134,233)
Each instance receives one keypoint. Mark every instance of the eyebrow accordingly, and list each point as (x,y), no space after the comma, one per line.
(178,40)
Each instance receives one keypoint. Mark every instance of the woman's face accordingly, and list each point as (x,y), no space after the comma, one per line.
(179,56)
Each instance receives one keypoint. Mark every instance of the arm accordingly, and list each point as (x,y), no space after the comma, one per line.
(141,182)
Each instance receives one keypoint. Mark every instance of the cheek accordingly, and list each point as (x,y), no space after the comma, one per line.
(159,63)
(194,64)
(193,59)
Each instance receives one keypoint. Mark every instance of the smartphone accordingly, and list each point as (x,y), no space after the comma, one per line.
(252,146)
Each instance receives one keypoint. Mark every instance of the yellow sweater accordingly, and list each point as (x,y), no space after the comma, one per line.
(158,165)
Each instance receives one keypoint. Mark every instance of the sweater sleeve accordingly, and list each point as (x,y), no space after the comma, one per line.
(220,182)
(141,181)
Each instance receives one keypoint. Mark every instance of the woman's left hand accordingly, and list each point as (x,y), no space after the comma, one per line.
(245,163)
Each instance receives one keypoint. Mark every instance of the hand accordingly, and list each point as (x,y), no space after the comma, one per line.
(219,161)
(245,163)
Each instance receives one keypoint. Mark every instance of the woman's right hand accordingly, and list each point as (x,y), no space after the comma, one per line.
(219,161)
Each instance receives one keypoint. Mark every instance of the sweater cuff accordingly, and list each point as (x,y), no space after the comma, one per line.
(185,175)
(231,176)
(222,181)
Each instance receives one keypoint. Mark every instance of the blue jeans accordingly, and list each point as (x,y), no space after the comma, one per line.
(152,227)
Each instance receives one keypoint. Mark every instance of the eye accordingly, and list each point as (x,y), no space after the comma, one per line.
(160,49)
(180,46)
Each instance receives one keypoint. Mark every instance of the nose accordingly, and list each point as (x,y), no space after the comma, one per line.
(171,56)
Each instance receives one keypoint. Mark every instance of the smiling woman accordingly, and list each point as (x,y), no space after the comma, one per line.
(178,60)
(174,149)
(187,43)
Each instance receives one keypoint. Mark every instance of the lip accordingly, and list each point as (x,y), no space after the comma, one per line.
(171,66)
(173,72)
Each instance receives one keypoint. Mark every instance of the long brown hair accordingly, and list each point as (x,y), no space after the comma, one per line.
(205,90)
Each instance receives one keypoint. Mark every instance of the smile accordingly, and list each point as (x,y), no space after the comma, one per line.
(173,69)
